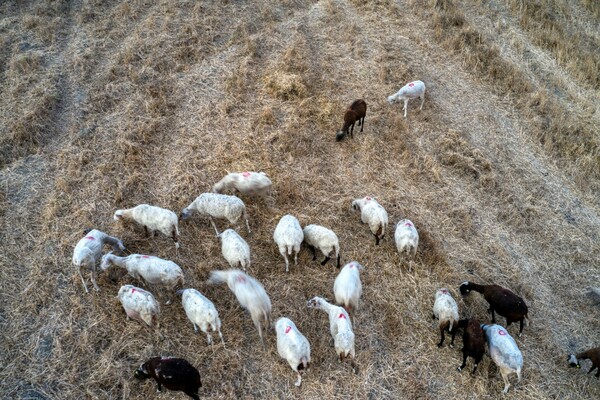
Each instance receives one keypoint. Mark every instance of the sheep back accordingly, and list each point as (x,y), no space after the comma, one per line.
(288,234)
(503,348)
(139,304)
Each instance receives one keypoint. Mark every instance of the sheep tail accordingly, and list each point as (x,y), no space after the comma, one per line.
(217,277)
(289,249)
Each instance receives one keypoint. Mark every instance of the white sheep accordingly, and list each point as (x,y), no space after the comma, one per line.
(214,205)
(248,183)
(289,236)
(88,252)
(153,270)
(317,236)
(139,305)
(347,287)
(445,310)
(407,240)
(153,219)
(235,249)
(292,346)
(250,294)
(504,351)
(409,91)
(201,312)
(340,328)
(372,213)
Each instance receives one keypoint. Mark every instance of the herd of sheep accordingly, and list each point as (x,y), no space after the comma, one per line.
(292,345)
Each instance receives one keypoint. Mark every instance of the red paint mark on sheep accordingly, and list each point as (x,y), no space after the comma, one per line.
(90,238)
(132,291)
(145,256)
(444,291)
(408,224)
(501,332)
(240,279)
(246,174)
(288,329)
(411,84)
(368,198)
(342,316)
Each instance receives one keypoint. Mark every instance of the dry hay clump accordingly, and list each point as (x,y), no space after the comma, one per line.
(285,86)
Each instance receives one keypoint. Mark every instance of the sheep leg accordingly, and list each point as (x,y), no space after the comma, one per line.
(506,381)
(195,328)
(296,258)
(314,251)
(158,387)
(287,265)
(192,395)
(422,100)
(405,107)
(338,261)
(352,130)
(493,315)
(464,364)
(376,240)
(213,225)
(325,260)
(521,326)
(363,124)
(453,331)
(299,381)
(94,279)
(83,280)
(443,336)
(146,231)
(174,236)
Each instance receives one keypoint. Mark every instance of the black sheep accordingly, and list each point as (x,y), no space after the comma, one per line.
(174,373)
(501,300)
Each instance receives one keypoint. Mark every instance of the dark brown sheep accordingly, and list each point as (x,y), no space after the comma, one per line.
(501,300)
(591,354)
(473,342)
(356,112)
(175,373)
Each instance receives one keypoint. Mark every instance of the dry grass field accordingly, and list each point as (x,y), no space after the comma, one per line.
(110,104)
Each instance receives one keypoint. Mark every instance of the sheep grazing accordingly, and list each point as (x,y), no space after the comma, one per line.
(347,287)
(88,252)
(214,205)
(504,352)
(201,312)
(153,219)
(340,327)
(250,294)
(356,112)
(591,354)
(409,91)
(372,213)
(174,373)
(446,310)
(473,342)
(152,270)
(407,240)
(317,236)
(289,236)
(139,305)
(292,346)
(247,183)
(502,301)
(235,249)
